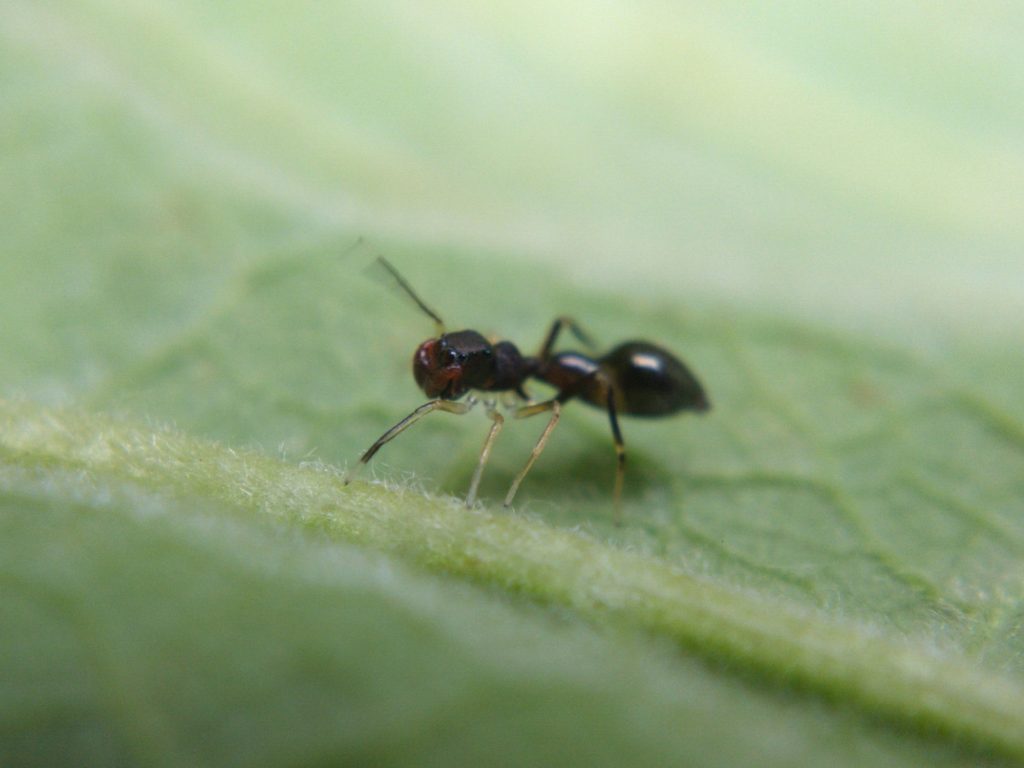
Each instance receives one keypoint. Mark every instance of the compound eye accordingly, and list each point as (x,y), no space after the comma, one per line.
(452,357)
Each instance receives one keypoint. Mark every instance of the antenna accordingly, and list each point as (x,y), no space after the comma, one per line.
(438,322)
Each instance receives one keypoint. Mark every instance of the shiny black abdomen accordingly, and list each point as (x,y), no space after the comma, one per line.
(650,381)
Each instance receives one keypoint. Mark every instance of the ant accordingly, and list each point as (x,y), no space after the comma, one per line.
(636,378)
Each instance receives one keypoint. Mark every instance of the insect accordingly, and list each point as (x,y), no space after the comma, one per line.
(636,378)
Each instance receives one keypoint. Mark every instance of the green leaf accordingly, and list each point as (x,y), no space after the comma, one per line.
(824,568)
(149,596)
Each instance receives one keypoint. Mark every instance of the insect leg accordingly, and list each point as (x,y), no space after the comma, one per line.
(620,453)
(531,410)
(556,328)
(485,453)
(408,421)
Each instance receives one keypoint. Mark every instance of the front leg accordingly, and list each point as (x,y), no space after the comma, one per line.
(408,421)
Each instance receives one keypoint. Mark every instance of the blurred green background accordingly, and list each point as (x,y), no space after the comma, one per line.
(818,207)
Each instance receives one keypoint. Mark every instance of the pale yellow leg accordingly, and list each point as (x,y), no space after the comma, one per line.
(531,410)
(485,454)
(404,424)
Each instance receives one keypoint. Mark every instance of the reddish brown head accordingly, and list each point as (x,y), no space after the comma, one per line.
(437,370)
(452,364)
